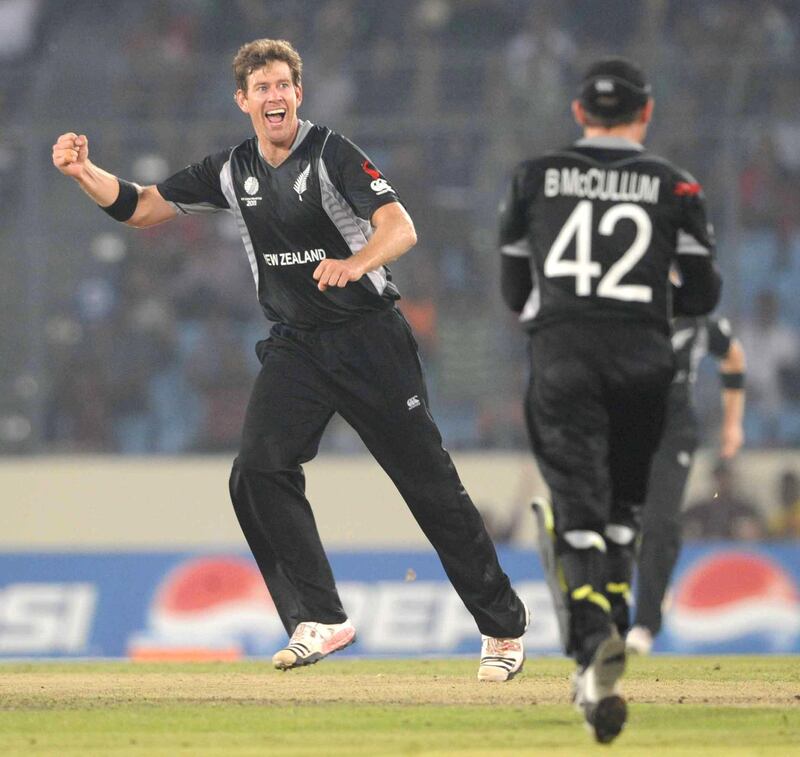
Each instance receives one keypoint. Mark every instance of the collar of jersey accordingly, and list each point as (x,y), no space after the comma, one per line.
(302,132)
(609,143)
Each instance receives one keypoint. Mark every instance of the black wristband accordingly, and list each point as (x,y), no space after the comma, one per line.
(732,380)
(125,205)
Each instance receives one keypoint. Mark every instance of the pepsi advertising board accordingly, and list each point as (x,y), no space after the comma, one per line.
(725,598)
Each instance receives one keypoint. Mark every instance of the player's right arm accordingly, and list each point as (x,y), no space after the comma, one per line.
(732,365)
(732,371)
(134,205)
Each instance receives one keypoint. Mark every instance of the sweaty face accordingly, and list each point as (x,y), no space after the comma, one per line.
(271,101)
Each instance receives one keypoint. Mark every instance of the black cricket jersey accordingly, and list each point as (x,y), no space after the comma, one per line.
(692,340)
(316,204)
(591,232)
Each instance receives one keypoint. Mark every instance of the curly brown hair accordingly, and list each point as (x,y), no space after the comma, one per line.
(259,53)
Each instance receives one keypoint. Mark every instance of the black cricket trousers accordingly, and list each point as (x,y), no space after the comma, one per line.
(368,371)
(660,542)
(595,408)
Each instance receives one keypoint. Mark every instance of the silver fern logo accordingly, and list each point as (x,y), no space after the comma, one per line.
(301,183)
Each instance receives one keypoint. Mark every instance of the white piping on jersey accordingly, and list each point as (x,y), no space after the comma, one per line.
(681,337)
(519,249)
(355,231)
(302,131)
(226,185)
(698,350)
(195,208)
(639,159)
(688,245)
(534,301)
(609,143)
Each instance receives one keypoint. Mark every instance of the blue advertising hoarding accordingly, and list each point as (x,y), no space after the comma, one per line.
(726,598)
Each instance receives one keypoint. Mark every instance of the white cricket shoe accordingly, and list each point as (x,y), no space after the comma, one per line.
(311,642)
(502,659)
(596,695)
(639,640)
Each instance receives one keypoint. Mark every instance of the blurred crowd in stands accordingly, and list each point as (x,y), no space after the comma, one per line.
(128,341)
(727,513)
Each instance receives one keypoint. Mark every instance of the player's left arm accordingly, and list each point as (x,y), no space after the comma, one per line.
(732,369)
(393,235)
(516,277)
(701,280)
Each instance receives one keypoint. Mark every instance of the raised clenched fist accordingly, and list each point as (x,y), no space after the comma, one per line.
(70,154)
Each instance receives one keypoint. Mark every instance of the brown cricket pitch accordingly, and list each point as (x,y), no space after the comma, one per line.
(394,682)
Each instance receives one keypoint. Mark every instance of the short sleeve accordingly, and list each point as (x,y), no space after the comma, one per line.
(719,336)
(197,188)
(355,177)
(696,234)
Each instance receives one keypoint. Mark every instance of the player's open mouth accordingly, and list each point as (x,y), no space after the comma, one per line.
(276,116)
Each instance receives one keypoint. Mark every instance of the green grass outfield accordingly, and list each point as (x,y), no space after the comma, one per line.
(697,706)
